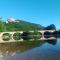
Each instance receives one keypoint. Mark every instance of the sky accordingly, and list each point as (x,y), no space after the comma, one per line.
(44,12)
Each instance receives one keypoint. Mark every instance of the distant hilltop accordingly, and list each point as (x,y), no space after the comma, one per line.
(12,24)
(11,20)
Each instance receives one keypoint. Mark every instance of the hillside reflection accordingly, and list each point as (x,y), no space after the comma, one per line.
(53,42)
(23,46)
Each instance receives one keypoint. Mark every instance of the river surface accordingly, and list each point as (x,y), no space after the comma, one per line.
(47,50)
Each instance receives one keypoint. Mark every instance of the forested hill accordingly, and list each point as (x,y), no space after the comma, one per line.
(21,26)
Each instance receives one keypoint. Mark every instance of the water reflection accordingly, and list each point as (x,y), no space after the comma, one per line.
(53,42)
(31,50)
(20,46)
(23,46)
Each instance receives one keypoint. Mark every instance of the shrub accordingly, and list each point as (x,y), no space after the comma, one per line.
(35,35)
(6,37)
(16,36)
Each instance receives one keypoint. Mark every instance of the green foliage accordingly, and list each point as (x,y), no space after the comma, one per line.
(22,26)
(50,27)
(37,35)
(19,26)
(6,36)
(2,26)
(17,36)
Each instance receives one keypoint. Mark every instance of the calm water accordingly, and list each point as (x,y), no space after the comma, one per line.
(41,50)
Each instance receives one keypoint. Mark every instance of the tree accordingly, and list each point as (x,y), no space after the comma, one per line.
(2,26)
(50,27)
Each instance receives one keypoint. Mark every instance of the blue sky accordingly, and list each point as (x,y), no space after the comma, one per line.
(44,12)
